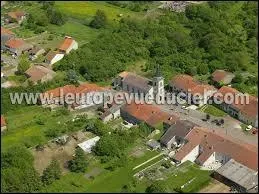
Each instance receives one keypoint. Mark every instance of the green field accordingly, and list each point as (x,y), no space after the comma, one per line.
(75,29)
(83,10)
(23,129)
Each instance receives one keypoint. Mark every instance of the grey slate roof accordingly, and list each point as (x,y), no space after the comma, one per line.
(137,81)
(181,128)
(239,174)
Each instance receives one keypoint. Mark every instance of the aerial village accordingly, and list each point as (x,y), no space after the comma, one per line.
(224,144)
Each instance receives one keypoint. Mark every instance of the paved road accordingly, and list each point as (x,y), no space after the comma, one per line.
(231,126)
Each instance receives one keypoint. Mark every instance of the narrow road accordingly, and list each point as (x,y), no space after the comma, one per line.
(230,127)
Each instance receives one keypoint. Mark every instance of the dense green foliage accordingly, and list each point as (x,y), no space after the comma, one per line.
(219,35)
(78,163)
(99,21)
(23,65)
(51,173)
(18,174)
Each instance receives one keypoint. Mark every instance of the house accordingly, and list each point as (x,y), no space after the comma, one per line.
(68,45)
(198,93)
(38,73)
(17,46)
(112,112)
(36,52)
(16,16)
(3,124)
(133,83)
(150,114)
(89,144)
(53,57)
(247,113)
(153,144)
(5,36)
(221,77)
(61,96)
(239,176)
(176,133)
(212,150)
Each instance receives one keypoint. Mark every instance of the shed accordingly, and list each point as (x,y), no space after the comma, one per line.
(153,144)
(87,145)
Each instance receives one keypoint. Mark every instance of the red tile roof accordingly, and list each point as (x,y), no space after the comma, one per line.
(5,31)
(66,43)
(187,83)
(184,82)
(15,43)
(150,114)
(250,109)
(83,88)
(3,123)
(37,72)
(211,142)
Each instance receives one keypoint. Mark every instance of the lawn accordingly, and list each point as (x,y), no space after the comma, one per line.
(210,109)
(82,10)
(23,129)
(75,29)
(186,172)
(107,181)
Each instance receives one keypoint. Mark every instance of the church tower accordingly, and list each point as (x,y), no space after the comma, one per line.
(158,84)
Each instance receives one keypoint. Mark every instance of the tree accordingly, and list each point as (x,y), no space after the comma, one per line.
(72,77)
(157,187)
(99,20)
(56,17)
(51,173)
(18,174)
(23,65)
(202,69)
(79,163)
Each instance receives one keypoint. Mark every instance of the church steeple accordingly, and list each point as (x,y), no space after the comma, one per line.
(158,83)
(158,71)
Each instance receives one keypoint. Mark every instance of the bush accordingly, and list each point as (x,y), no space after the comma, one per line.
(79,163)
(99,20)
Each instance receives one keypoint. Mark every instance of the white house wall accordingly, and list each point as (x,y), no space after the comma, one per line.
(192,155)
(57,58)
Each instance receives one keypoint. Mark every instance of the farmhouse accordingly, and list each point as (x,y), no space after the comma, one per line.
(36,52)
(5,36)
(133,83)
(212,150)
(17,46)
(247,113)
(87,145)
(16,16)
(150,114)
(57,96)
(53,57)
(68,45)
(38,73)
(188,86)
(176,133)
(3,124)
(222,77)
